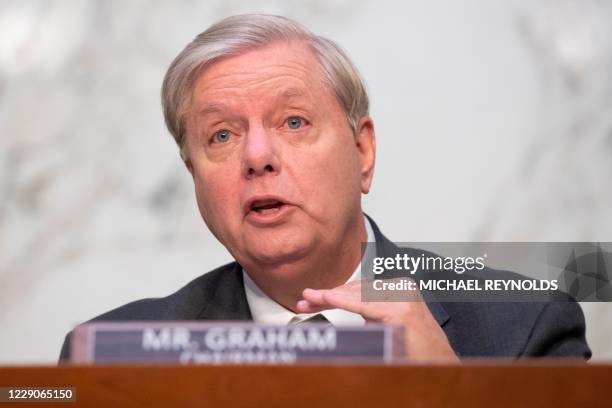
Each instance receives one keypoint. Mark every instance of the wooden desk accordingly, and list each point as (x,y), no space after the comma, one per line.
(476,384)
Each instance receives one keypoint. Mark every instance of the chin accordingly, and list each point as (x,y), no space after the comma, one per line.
(277,253)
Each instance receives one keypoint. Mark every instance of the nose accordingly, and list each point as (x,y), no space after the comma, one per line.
(260,155)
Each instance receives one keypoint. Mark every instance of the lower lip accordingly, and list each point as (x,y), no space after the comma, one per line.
(269,218)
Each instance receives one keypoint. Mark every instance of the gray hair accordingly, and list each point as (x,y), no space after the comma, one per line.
(240,33)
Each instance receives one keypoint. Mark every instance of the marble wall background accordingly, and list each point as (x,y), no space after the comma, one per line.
(493,123)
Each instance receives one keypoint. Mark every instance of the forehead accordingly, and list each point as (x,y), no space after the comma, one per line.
(289,70)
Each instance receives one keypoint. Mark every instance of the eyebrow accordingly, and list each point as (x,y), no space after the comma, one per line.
(213,108)
(289,93)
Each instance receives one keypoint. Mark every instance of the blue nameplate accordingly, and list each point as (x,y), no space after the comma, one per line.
(234,343)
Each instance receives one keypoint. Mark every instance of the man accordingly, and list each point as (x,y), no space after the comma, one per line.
(272,123)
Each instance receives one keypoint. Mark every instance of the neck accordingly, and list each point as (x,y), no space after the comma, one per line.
(325,268)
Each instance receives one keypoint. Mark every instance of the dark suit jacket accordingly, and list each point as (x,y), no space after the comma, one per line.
(474,329)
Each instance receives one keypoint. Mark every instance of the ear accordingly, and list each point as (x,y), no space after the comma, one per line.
(365,140)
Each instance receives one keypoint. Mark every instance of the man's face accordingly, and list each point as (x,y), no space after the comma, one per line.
(278,171)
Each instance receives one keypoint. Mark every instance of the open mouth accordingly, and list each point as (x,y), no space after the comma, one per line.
(266,206)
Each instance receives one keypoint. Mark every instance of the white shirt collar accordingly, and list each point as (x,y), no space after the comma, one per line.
(266,311)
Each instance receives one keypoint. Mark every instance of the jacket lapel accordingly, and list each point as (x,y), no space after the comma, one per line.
(229,300)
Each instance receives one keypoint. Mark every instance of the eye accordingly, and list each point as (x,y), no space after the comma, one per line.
(221,136)
(295,122)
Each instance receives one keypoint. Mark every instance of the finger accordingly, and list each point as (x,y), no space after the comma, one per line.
(347,297)
(304,306)
(353,303)
(343,301)
(313,296)
(314,299)
(316,295)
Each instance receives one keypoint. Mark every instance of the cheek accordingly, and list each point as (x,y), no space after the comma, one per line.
(343,179)
(331,177)
(217,197)
(341,163)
